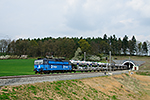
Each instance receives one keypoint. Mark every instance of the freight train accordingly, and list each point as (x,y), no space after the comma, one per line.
(48,66)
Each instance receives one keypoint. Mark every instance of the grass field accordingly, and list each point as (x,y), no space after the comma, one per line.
(12,67)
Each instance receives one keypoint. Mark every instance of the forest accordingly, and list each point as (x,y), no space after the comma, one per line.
(66,47)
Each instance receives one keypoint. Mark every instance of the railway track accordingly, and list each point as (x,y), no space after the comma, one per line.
(42,75)
(53,74)
(31,79)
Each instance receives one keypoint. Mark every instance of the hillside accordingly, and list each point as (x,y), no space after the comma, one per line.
(124,86)
(145,66)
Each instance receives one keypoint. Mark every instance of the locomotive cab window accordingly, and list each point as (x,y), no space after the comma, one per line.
(45,62)
(38,62)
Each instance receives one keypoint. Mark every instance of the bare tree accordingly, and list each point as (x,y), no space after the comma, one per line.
(148,46)
(1,47)
(4,45)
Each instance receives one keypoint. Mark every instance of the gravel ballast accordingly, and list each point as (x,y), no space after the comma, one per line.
(27,80)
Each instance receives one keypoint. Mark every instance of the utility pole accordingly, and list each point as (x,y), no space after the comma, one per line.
(110,59)
(84,56)
(110,55)
(129,63)
(107,64)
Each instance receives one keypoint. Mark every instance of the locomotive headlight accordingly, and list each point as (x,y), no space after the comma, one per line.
(39,67)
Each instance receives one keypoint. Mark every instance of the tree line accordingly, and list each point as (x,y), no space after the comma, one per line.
(66,47)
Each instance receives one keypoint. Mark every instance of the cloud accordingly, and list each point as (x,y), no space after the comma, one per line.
(74,18)
(143,38)
(90,15)
(126,21)
(142,6)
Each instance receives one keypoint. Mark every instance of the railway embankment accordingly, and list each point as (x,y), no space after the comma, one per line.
(122,86)
(18,80)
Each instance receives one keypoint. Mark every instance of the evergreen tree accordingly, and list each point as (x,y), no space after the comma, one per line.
(139,48)
(94,48)
(125,44)
(144,48)
(105,37)
(104,47)
(119,46)
(132,46)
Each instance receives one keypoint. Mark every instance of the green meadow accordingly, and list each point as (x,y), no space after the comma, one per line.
(12,67)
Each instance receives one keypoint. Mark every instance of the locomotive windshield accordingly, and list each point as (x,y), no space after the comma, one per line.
(38,62)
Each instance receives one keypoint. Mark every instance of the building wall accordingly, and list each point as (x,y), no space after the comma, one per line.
(135,68)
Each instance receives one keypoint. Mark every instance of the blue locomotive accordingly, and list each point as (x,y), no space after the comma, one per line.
(47,66)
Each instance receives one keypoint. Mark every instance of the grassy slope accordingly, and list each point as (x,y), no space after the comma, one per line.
(115,87)
(16,67)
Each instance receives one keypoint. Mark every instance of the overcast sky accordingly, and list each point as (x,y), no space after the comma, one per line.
(74,18)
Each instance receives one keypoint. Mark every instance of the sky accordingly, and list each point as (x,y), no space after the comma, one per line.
(74,18)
